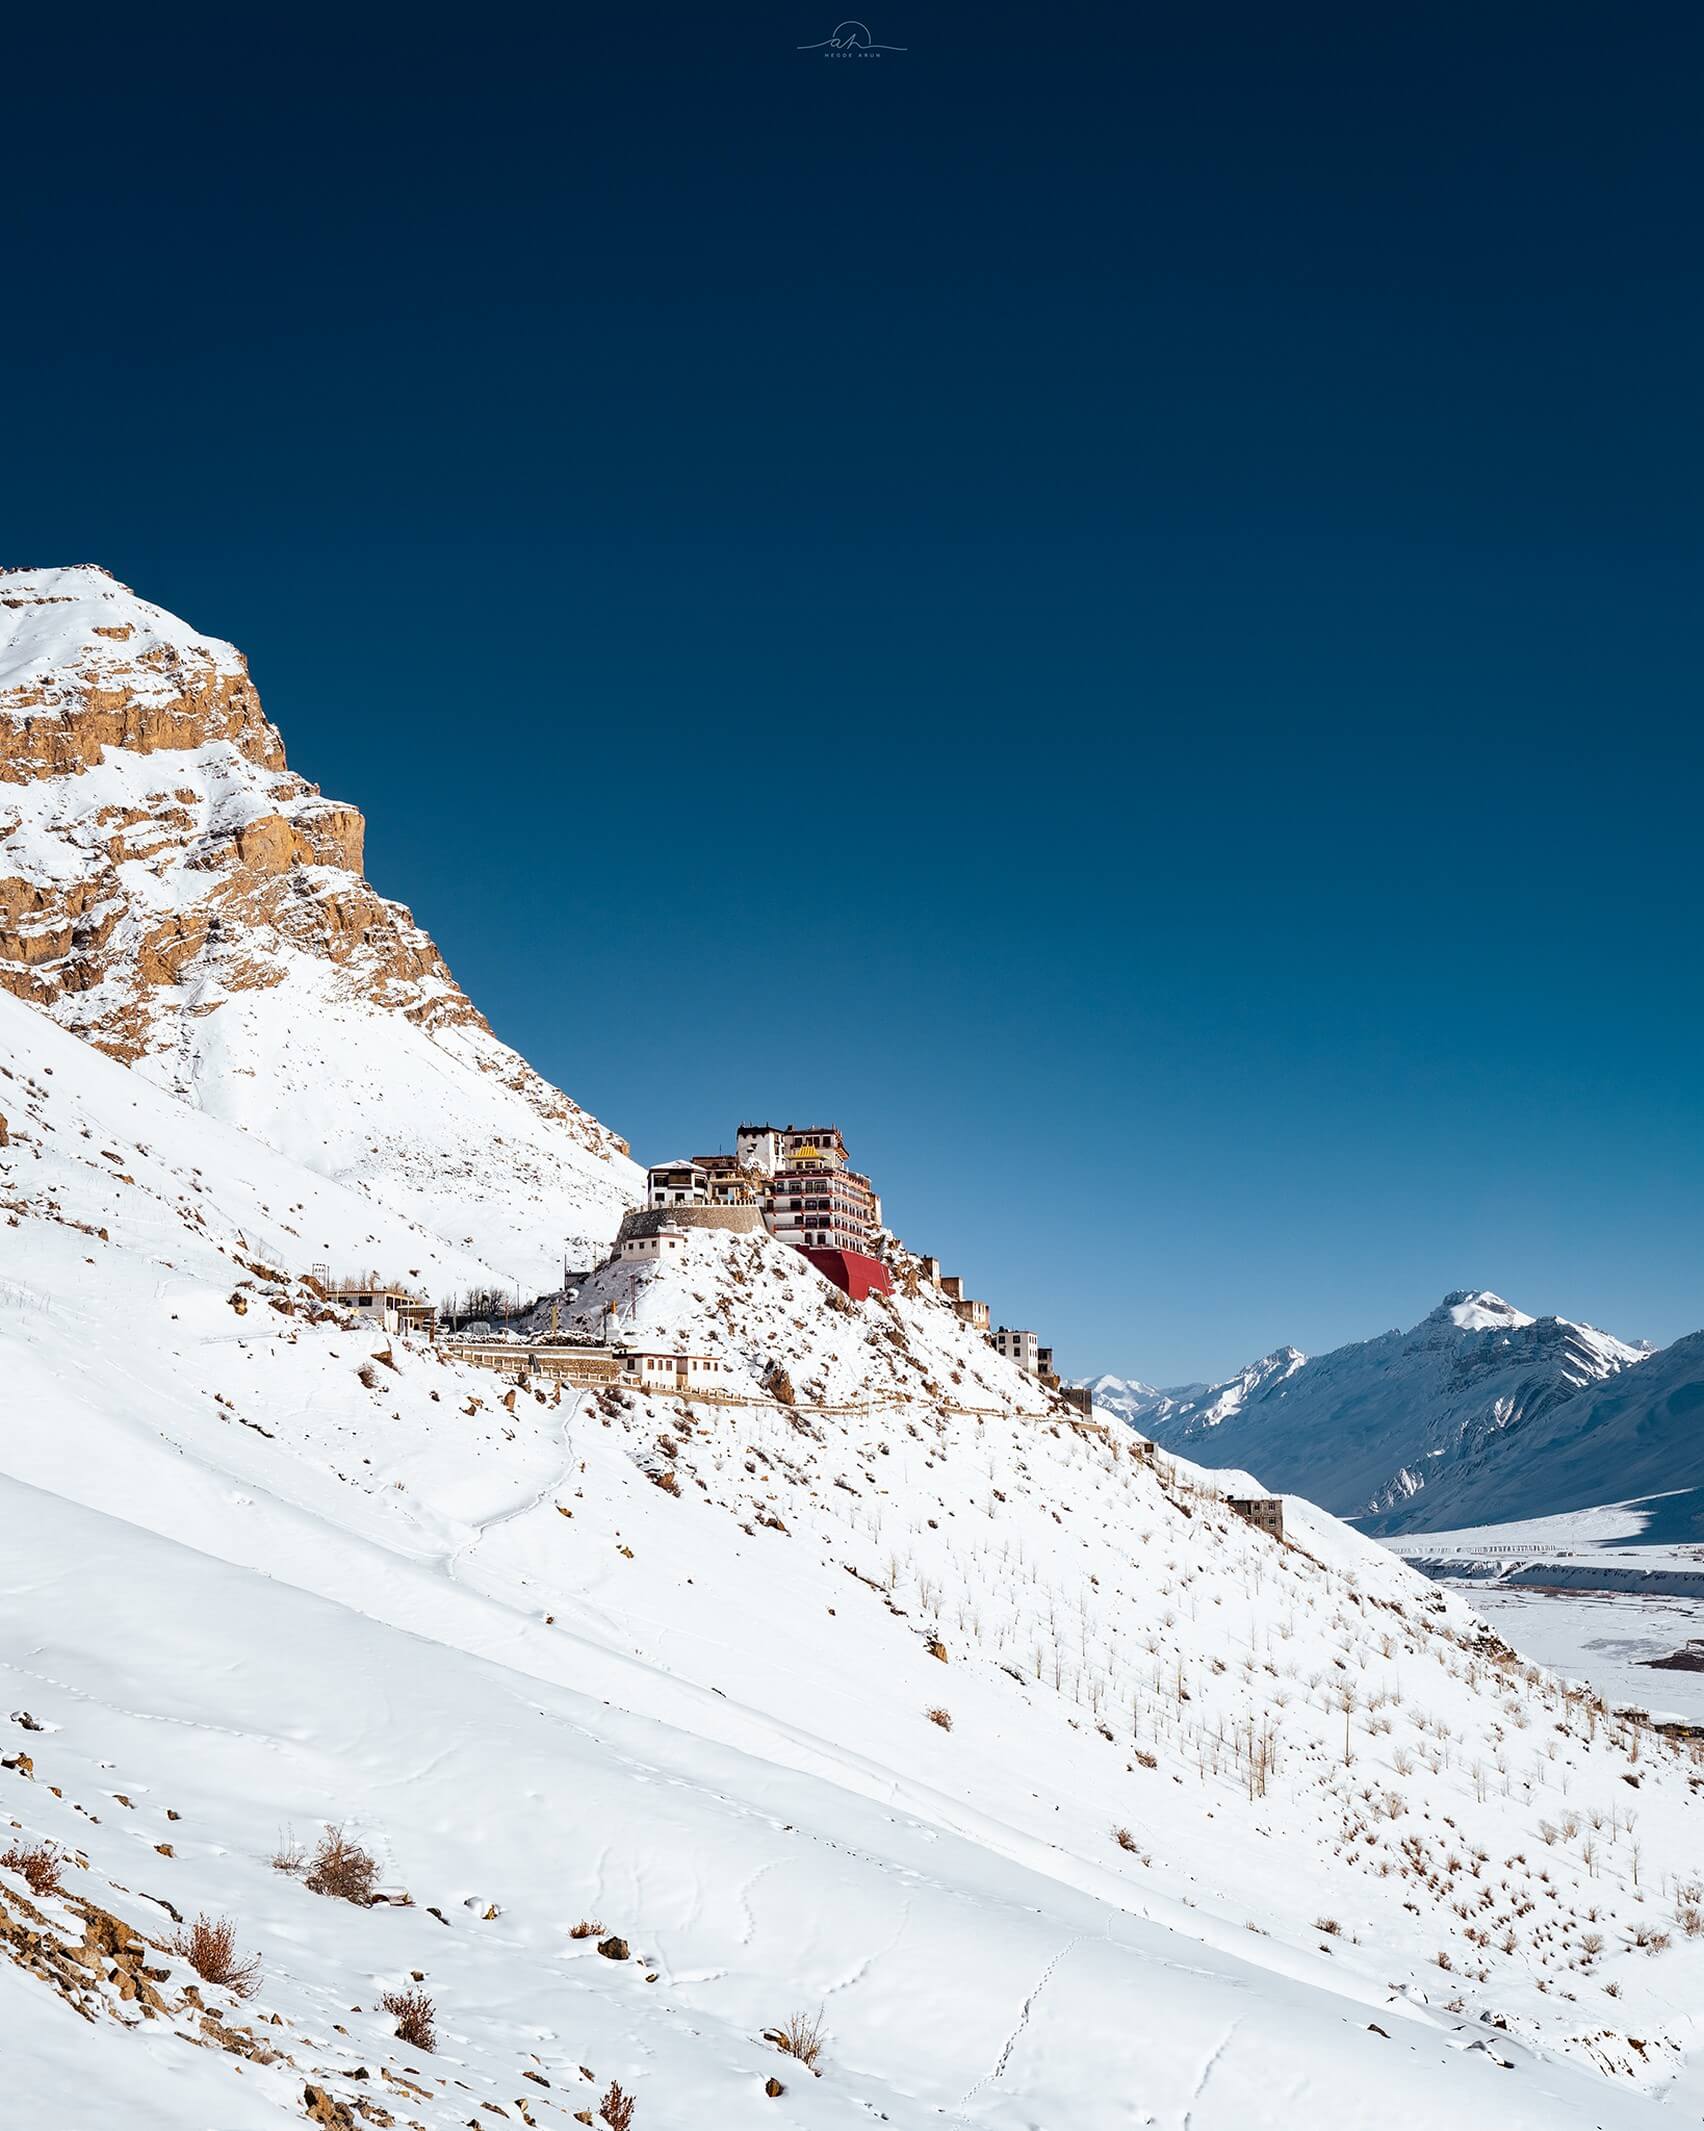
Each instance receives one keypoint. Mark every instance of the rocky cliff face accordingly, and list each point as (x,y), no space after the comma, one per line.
(173,892)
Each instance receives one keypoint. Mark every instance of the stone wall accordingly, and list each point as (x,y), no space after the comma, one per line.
(738,1220)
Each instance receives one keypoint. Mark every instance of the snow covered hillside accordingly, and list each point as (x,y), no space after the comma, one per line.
(171,891)
(1380,1429)
(882,1695)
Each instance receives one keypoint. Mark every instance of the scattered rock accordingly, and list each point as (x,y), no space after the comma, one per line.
(613,1949)
(322,2108)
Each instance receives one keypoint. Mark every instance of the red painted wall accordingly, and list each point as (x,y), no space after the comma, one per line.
(852,1272)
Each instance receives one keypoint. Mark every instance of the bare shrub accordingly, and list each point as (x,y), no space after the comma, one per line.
(1329,1925)
(290,1857)
(585,1929)
(942,1717)
(342,1869)
(617,2107)
(210,1948)
(1124,1839)
(37,1864)
(801,2036)
(416,2018)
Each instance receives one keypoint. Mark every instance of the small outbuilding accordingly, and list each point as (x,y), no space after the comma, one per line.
(1264,1512)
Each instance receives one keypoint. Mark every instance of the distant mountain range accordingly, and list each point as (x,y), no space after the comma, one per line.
(1478,1413)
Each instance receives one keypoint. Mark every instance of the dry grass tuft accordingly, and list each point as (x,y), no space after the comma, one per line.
(1124,1839)
(617,2108)
(942,1717)
(210,1948)
(289,1857)
(416,2018)
(585,1929)
(342,1869)
(801,2036)
(37,1864)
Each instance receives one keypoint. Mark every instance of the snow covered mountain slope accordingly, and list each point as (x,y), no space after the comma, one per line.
(1371,1430)
(1196,1406)
(1636,1434)
(171,891)
(1135,1402)
(1065,1797)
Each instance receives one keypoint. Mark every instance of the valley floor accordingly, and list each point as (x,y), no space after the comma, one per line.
(1595,1594)
(1605,1638)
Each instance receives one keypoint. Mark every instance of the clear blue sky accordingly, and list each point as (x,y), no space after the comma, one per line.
(1110,600)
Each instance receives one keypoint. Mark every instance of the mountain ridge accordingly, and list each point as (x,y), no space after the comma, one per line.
(172,892)
(1368,1427)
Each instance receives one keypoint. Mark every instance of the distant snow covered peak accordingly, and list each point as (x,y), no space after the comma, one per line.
(1370,1428)
(1136,1403)
(1130,1388)
(1253,1381)
(1139,1404)
(1479,1310)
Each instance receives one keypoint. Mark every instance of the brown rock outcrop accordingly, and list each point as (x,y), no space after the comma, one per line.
(211,874)
(172,892)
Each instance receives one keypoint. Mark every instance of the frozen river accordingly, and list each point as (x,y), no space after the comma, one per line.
(1601,1637)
